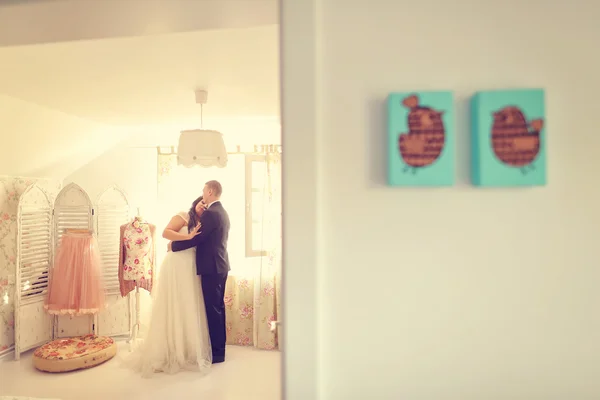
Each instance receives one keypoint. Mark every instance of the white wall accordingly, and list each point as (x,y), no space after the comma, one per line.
(40,142)
(134,170)
(457,293)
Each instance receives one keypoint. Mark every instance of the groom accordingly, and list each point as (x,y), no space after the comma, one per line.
(212,264)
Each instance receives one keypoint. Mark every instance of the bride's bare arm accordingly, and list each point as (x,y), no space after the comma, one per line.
(171,232)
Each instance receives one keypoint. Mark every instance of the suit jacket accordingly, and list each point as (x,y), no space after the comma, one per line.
(211,243)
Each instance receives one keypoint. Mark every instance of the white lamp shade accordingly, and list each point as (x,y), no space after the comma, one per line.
(200,147)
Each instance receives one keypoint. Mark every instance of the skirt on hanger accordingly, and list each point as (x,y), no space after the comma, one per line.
(76,286)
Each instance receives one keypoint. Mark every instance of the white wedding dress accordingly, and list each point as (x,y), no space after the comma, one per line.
(177,337)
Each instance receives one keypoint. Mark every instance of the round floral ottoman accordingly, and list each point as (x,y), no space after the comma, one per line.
(70,354)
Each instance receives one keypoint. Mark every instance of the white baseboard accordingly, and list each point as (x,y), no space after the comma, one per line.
(23,398)
(8,354)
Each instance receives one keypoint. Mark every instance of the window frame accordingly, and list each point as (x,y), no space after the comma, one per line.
(249,159)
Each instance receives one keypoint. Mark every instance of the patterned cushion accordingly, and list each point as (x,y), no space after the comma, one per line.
(75,347)
(69,354)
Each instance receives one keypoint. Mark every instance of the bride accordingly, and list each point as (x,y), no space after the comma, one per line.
(177,337)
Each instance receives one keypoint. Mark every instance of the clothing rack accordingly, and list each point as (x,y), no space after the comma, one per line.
(135,329)
(136,325)
(69,230)
(138,317)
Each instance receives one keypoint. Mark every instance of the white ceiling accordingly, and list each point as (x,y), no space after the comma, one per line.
(150,79)
(49,21)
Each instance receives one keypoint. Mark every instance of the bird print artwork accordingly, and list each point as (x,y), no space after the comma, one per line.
(515,141)
(420,139)
(422,145)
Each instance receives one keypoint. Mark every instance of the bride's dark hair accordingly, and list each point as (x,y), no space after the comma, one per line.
(193,217)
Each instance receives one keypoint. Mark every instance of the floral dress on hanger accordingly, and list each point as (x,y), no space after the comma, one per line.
(138,260)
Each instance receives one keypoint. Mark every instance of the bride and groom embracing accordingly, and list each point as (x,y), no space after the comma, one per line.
(187,328)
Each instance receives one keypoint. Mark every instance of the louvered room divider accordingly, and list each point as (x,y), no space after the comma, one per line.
(40,226)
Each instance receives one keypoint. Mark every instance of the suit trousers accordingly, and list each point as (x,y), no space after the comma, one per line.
(213,290)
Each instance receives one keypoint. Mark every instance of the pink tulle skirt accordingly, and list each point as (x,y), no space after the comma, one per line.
(76,285)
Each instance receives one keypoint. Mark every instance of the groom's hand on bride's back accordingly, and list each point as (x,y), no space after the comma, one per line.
(209,224)
(195,231)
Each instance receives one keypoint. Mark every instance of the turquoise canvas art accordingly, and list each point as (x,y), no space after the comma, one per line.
(508,138)
(421,139)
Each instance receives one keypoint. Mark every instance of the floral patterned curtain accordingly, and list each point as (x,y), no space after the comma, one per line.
(253,290)
(252,303)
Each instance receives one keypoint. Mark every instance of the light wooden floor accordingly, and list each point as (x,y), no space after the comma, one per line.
(247,374)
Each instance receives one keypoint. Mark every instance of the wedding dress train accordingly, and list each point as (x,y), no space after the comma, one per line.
(177,337)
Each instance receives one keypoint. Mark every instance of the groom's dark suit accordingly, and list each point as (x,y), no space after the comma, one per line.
(212,264)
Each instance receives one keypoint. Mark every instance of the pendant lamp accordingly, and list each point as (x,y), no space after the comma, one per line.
(201,147)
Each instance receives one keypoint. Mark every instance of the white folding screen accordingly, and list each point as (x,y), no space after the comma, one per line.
(33,326)
(40,228)
(112,211)
(72,210)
